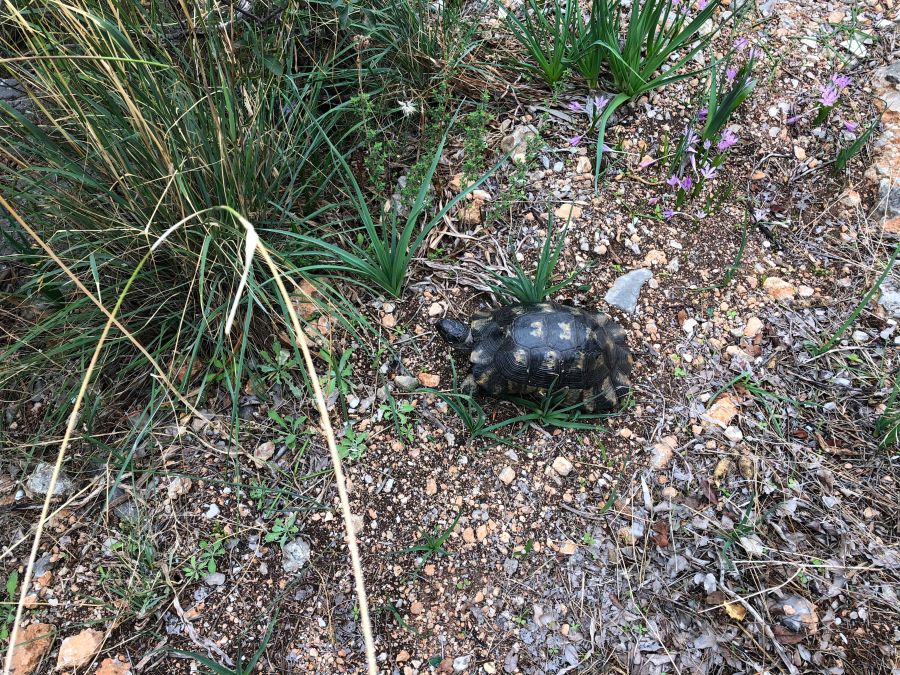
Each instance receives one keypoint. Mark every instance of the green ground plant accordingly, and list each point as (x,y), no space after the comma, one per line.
(529,288)
(546,30)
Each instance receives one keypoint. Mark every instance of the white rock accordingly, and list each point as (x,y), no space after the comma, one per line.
(733,434)
(211,512)
(39,481)
(294,555)
(690,325)
(855,47)
(507,475)
(562,466)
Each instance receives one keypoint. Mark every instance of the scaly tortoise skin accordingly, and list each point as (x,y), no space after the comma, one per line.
(525,349)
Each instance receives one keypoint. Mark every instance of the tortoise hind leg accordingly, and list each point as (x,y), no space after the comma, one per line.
(589,400)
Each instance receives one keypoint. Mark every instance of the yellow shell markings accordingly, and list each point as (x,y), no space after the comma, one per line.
(537,329)
(518,311)
(520,356)
(485,377)
(565,330)
(578,362)
(478,324)
(479,356)
(551,359)
(609,391)
(545,308)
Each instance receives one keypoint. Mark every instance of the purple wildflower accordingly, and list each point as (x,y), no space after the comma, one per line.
(728,139)
(647,161)
(830,95)
(702,4)
(707,144)
(841,81)
(575,106)
(673,181)
(708,172)
(575,140)
(850,126)
(687,183)
(741,43)
(668,213)
(600,103)
(730,74)
(791,121)
(702,114)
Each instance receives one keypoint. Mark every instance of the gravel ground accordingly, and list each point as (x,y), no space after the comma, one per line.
(738,516)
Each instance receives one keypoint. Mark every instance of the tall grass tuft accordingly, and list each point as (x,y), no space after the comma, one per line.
(381,249)
(145,115)
(546,30)
(533,288)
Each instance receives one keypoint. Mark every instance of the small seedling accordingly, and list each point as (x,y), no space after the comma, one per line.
(8,608)
(433,544)
(352,444)
(400,414)
(283,529)
(289,428)
(279,366)
(199,566)
(528,288)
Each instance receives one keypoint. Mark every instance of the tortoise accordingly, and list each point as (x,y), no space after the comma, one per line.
(533,349)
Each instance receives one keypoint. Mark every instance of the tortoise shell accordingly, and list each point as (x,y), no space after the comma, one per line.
(535,349)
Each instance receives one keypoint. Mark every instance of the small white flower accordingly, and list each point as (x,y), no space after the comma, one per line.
(408,108)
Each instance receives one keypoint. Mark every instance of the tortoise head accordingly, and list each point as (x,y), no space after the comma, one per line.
(455,333)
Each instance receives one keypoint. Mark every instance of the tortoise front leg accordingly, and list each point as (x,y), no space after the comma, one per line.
(468,386)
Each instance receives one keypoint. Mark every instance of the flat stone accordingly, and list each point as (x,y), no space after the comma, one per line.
(891,226)
(460,663)
(890,297)
(583,165)
(568,211)
(33,642)
(721,412)
(39,481)
(429,380)
(568,547)
(406,382)
(114,666)
(733,434)
(753,327)
(214,579)
(805,291)
(507,475)
(76,651)
(797,614)
(779,289)
(661,453)
(294,555)
(889,199)
(436,309)
(626,290)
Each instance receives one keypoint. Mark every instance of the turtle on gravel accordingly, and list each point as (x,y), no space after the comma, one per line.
(534,349)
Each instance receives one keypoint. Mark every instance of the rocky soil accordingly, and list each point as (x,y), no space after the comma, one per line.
(737,516)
